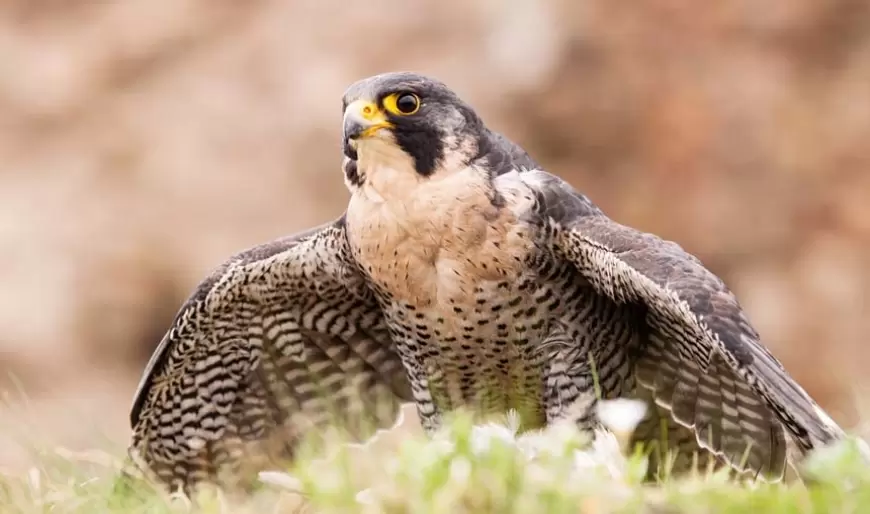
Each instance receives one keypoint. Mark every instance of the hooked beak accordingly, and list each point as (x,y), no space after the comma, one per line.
(361,120)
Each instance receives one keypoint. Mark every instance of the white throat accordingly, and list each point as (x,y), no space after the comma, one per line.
(389,172)
(393,197)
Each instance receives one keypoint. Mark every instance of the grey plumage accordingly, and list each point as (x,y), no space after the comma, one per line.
(460,275)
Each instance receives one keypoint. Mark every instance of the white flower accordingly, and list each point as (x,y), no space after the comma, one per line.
(483,435)
(379,435)
(281,479)
(621,415)
(35,479)
(366,497)
(460,470)
(553,440)
(606,452)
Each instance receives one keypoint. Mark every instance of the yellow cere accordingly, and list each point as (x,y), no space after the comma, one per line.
(375,117)
(369,111)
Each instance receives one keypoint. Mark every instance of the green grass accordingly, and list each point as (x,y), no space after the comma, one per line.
(459,472)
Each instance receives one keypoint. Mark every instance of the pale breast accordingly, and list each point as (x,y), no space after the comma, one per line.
(439,240)
(452,269)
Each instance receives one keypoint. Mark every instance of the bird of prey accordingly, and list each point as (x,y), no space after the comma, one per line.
(461,275)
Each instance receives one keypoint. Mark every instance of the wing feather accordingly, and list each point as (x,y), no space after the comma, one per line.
(703,361)
(280,340)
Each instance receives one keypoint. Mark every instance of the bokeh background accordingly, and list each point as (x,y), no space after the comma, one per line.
(142,142)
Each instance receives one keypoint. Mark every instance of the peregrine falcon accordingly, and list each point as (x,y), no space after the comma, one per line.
(461,275)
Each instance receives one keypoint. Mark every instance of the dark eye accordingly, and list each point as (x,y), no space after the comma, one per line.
(402,103)
(407,103)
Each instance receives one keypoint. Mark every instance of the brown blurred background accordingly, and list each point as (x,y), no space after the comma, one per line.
(142,142)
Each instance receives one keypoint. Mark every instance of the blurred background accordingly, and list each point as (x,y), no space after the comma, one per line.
(143,142)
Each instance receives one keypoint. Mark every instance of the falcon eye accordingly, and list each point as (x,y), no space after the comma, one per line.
(403,104)
(408,103)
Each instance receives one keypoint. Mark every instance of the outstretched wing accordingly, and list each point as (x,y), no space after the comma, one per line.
(281,339)
(702,361)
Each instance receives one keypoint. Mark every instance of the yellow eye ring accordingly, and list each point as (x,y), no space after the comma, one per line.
(402,104)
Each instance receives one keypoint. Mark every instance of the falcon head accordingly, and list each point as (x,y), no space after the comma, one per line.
(408,123)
